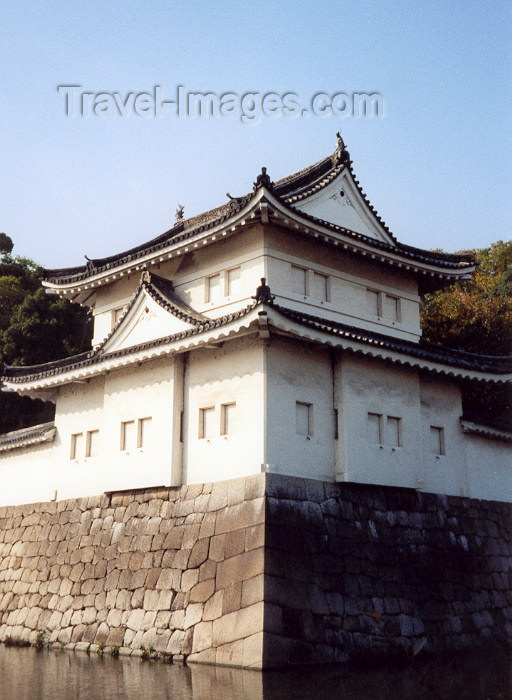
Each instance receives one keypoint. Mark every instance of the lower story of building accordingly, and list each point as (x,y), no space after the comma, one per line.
(249,406)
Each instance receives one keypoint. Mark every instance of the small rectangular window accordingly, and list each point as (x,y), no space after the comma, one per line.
(234,284)
(213,288)
(303,418)
(373,302)
(374,427)
(320,286)
(393,431)
(143,432)
(207,422)
(299,280)
(437,446)
(392,307)
(227,418)
(77,446)
(128,440)
(92,443)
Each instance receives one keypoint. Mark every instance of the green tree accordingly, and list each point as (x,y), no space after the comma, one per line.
(34,328)
(476,316)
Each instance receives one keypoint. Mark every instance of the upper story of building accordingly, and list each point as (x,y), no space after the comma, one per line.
(314,236)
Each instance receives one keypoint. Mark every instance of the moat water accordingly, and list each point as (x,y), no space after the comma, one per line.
(27,674)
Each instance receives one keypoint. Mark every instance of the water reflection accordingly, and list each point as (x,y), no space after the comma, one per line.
(26,674)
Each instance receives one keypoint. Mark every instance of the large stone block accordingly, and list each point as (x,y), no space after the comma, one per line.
(201,592)
(241,567)
(237,625)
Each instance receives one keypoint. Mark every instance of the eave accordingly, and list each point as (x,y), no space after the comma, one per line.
(265,207)
(486,431)
(81,368)
(265,319)
(421,356)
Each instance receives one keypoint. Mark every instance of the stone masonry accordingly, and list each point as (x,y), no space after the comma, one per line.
(356,570)
(258,572)
(180,570)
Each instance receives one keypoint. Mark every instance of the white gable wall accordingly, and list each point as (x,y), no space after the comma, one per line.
(341,204)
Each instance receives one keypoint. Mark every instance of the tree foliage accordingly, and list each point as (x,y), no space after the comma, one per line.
(34,328)
(476,316)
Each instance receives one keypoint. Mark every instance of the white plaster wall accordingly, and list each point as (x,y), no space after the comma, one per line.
(188,274)
(107,299)
(441,406)
(130,394)
(296,372)
(101,404)
(26,475)
(242,249)
(79,408)
(233,373)
(366,385)
(489,468)
(349,278)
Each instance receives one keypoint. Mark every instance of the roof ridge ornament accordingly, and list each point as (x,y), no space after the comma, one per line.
(263,292)
(263,180)
(341,155)
(234,202)
(89,265)
(178,217)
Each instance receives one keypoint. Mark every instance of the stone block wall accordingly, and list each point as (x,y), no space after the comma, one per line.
(180,570)
(360,570)
(259,572)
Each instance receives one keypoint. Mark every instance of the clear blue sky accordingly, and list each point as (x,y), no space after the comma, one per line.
(437,167)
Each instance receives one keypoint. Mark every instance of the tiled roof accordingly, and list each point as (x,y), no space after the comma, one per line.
(86,359)
(288,190)
(428,351)
(494,365)
(44,432)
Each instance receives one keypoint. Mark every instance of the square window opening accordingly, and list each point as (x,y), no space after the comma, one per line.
(206,422)
(393,431)
(392,307)
(116,315)
(143,432)
(234,282)
(437,445)
(92,443)
(373,302)
(227,418)
(304,418)
(213,288)
(374,428)
(77,446)
(128,440)
(299,277)
(320,286)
